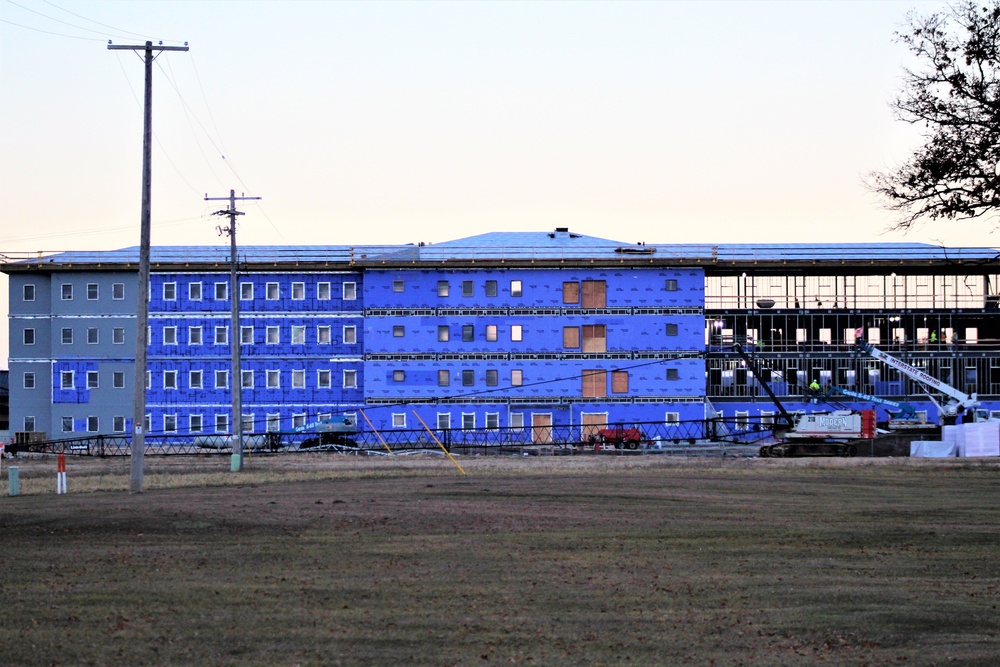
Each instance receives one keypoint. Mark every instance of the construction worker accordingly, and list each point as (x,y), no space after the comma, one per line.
(934,337)
(814,390)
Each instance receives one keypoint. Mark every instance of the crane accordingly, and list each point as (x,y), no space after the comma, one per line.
(958,401)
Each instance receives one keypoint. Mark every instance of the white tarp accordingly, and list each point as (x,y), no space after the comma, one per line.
(932,449)
(980,439)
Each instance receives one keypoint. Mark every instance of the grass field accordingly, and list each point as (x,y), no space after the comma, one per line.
(544,561)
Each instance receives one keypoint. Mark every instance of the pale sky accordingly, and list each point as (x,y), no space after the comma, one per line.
(398,122)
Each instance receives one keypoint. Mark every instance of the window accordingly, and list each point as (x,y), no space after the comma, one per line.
(29,423)
(516,377)
(595,384)
(149,379)
(399,420)
(28,292)
(273,379)
(298,379)
(571,293)
(671,286)
(671,329)
(221,291)
(468,378)
(118,335)
(467,288)
(93,380)
(93,424)
(298,335)
(350,335)
(594,294)
(273,422)
(516,421)
(222,423)
(92,291)
(66,380)
(595,338)
(118,424)
(468,421)
(67,336)
(673,374)
(246,379)
(515,288)
(247,423)
(468,333)
(170,423)
(491,288)
(323,336)
(619,382)
(444,378)
(194,291)
(298,291)
(350,291)
(443,421)
(170,379)
(221,379)
(67,424)
(118,380)
(399,376)
(398,286)
(675,417)
(28,381)
(118,291)
(147,422)
(29,336)
(571,337)
(195,423)
(398,331)
(350,379)
(442,288)
(221,335)
(273,335)
(170,335)
(195,379)
(246,335)
(324,379)
(491,333)
(169,291)
(444,333)
(246,291)
(271,292)
(323,291)
(298,420)
(492,377)
(67,292)
(492,421)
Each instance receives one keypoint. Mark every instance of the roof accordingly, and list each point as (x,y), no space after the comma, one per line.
(521,247)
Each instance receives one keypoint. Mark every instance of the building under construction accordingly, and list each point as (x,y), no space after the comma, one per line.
(498,331)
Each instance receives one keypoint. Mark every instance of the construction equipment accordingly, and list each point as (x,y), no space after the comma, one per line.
(331,433)
(823,434)
(902,416)
(957,402)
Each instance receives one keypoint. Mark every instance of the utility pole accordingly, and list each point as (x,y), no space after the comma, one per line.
(138,448)
(236,383)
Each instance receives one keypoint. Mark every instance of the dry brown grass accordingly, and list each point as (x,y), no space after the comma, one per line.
(548,561)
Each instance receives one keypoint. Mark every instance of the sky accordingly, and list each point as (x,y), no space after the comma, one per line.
(400,122)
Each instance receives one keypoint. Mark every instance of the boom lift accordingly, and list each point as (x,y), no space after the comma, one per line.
(902,415)
(958,401)
(826,434)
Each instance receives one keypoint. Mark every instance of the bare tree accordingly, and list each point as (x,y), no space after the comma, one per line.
(955,96)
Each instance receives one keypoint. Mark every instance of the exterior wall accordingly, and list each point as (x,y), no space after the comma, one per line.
(479,329)
(280,304)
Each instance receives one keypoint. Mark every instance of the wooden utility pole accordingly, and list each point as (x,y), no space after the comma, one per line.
(236,383)
(138,448)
